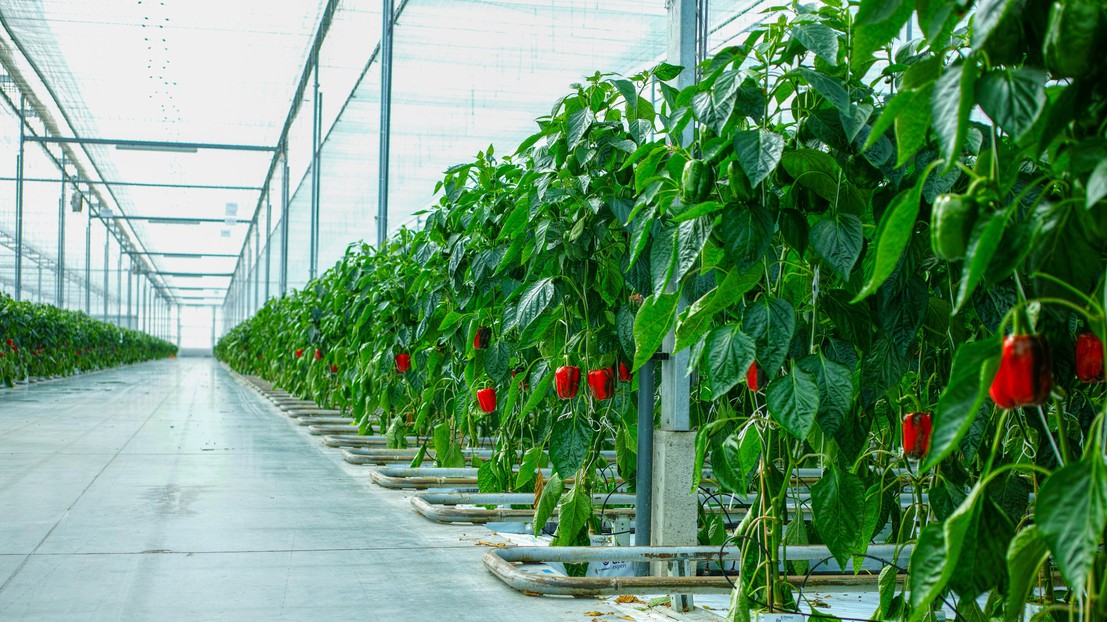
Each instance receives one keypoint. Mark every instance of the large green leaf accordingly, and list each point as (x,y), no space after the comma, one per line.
(836,503)
(974,365)
(1071,513)
(572,515)
(547,502)
(793,402)
(1013,98)
(569,442)
(820,39)
(897,225)
(1026,554)
(727,355)
(651,324)
(771,322)
(881,369)
(835,382)
(837,239)
(758,153)
(877,23)
(951,103)
(696,319)
(936,554)
(746,233)
(987,233)
(534,301)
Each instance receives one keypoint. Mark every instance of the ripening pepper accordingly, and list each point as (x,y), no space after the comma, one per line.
(755,377)
(916,435)
(299,352)
(739,183)
(1025,375)
(334,368)
(318,354)
(951,220)
(1089,358)
(602,383)
(1073,36)
(523,384)
(624,372)
(696,183)
(403,362)
(567,381)
(486,399)
(482,338)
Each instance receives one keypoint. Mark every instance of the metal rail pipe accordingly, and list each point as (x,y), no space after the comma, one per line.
(322,421)
(502,564)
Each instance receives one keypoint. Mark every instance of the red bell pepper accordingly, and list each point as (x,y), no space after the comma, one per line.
(299,353)
(1089,358)
(482,338)
(334,368)
(403,362)
(1025,376)
(916,435)
(318,354)
(486,399)
(567,381)
(624,372)
(755,377)
(602,383)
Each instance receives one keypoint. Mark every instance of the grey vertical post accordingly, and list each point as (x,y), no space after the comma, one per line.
(268,241)
(257,261)
(107,241)
(674,510)
(386,120)
(19,206)
(119,290)
(284,221)
(178,340)
(88,262)
(213,309)
(316,114)
(130,281)
(59,293)
(643,487)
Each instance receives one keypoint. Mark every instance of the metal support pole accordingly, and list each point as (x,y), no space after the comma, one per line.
(19,205)
(643,486)
(386,120)
(213,309)
(119,291)
(268,240)
(88,263)
(59,293)
(130,309)
(674,509)
(257,271)
(284,222)
(107,239)
(178,340)
(316,122)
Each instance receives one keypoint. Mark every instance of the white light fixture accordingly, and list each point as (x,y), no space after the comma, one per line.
(232,209)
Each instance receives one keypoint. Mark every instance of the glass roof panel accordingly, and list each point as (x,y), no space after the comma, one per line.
(202,71)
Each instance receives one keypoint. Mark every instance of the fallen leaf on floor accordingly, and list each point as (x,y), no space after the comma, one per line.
(628,598)
(498,545)
(593,613)
(819,603)
(659,601)
(530,593)
(626,618)
(707,608)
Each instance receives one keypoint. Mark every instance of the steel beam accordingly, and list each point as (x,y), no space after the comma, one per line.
(149,145)
(316,122)
(59,293)
(88,264)
(47,180)
(387,22)
(285,197)
(224,275)
(183,255)
(19,202)
(171,220)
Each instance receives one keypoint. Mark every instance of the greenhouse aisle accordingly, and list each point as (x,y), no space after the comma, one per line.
(169,491)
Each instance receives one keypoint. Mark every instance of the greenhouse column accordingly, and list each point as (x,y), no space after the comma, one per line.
(59,293)
(386,119)
(88,263)
(284,220)
(19,209)
(674,511)
(316,121)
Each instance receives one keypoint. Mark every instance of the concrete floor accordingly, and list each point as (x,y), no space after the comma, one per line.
(169,491)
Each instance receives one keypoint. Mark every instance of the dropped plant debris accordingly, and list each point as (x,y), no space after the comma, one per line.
(628,598)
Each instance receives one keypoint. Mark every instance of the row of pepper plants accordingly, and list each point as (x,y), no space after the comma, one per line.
(886,262)
(38,340)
